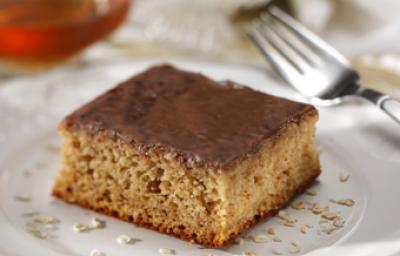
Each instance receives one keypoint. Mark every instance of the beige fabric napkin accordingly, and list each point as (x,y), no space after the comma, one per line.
(354,26)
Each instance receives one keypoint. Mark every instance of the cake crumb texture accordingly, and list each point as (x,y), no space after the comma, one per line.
(200,204)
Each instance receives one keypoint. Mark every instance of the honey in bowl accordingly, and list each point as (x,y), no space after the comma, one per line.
(47,31)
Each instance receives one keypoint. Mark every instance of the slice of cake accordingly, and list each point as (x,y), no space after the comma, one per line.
(182,154)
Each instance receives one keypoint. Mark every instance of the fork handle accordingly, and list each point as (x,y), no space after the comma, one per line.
(389,105)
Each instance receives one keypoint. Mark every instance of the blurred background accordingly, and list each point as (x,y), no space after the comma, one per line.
(40,35)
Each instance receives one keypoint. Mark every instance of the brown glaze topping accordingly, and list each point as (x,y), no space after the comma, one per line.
(199,121)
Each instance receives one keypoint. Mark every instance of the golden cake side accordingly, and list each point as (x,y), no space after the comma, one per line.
(151,190)
(266,182)
(203,205)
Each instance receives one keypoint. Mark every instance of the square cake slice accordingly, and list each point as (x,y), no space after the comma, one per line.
(182,154)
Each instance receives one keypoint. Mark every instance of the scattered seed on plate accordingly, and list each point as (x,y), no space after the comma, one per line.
(311,192)
(345,202)
(271,231)
(287,224)
(167,251)
(275,252)
(79,228)
(97,223)
(329,215)
(286,219)
(212,254)
(307,225)
(344,177)
(23,197)
(248,254)
(322,221)
(328,230)
(124,239)
(303,229)
(259,238)
(298,205)
(282,214)
(96,253)
(276,239)
(316,209)
(338,222)
(34,230)
(43,219)
(239,241)
(294,248)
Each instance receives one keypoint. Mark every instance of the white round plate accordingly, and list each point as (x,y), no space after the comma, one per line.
(354,138)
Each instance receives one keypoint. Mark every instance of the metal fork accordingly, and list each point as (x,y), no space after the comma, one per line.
(314,68)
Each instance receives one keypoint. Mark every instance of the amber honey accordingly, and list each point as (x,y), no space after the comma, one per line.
(52,30)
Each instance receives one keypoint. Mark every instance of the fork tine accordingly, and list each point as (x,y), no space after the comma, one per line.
(278,62)
(291,40)
(308,37)
(285,48)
